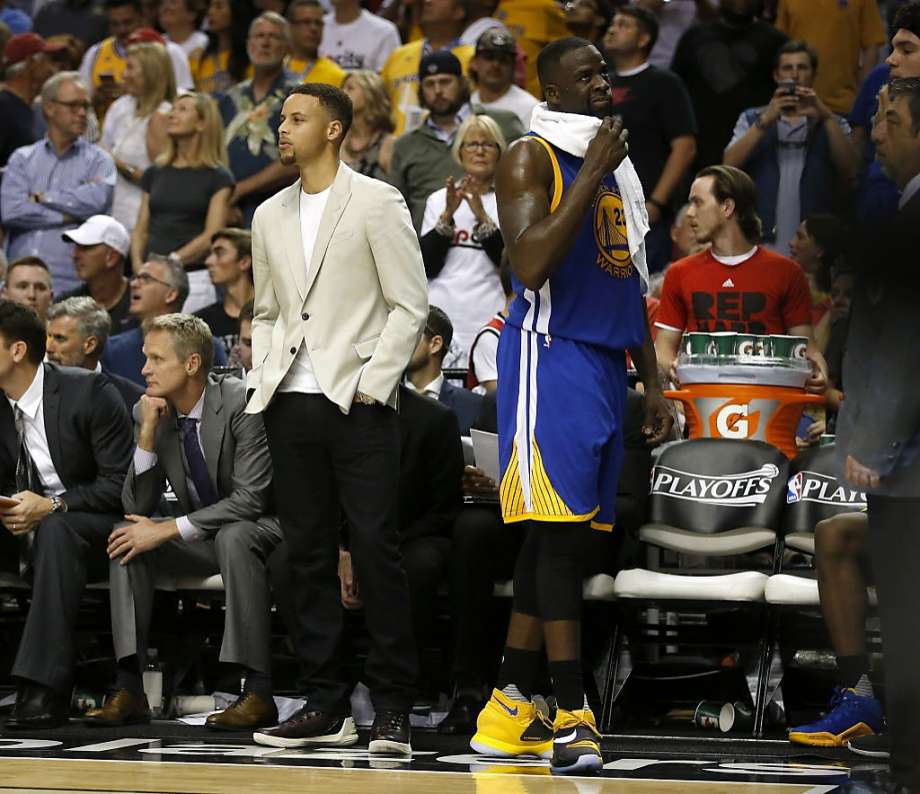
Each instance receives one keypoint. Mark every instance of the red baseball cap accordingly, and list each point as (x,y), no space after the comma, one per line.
(145,36)
(25,45)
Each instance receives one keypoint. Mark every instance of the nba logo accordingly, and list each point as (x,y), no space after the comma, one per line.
(794,488)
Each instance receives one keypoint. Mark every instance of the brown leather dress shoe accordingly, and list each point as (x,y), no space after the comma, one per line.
(246,712)
(121,708)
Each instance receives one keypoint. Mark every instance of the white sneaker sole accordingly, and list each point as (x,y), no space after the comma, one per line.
(493,752)
(386,747)
(346,736)
(587,763)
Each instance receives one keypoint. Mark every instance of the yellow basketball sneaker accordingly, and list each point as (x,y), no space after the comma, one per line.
(576,743)
(510,728)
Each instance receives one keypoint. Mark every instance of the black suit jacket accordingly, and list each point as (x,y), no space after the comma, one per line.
(430,467)
(89,437)
(879,423)
(465,404)
(130,392)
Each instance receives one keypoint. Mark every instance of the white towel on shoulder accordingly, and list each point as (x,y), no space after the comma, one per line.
(572,133)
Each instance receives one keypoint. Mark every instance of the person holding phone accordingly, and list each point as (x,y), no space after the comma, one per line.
(797,151)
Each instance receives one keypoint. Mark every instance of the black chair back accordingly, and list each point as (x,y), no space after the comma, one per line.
(816,491)
(713,485)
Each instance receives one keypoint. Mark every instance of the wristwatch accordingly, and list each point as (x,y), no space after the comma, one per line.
(364,399)
(58,505)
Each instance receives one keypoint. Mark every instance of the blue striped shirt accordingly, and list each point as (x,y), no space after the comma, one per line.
(74,185)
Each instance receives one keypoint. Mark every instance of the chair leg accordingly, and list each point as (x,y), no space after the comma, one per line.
(767,645)
(610,674)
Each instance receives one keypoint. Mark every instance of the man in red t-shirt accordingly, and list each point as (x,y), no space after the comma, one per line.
(736,284)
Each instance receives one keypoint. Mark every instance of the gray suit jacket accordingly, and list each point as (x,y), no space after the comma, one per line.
(359,305)
(236,453)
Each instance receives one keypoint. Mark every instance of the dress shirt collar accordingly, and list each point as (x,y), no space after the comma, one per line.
(72,149)
(910,190)
(433,389)
(198,409)
(31,401)
(98,367)
(445,135)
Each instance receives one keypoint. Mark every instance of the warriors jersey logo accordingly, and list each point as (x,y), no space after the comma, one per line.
(610,234)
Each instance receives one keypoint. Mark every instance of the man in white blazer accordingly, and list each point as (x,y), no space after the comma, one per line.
(340,304)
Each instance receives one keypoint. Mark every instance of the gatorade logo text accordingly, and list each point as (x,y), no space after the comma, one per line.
(810,486)
(734,420)
(745,489)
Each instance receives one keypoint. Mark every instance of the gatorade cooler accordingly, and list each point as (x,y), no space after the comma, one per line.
(737,394)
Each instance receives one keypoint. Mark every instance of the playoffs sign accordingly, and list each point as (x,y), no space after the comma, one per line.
(744,489)
(812,486)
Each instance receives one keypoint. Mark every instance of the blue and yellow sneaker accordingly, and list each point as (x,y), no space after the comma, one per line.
(576,743)
(509,728)
(850,715)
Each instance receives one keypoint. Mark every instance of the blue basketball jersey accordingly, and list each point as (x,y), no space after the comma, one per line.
(595,295)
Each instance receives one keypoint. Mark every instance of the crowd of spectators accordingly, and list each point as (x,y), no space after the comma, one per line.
(139,138)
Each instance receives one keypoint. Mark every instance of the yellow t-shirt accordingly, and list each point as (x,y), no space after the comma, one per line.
(108,61)
(400,77)
(324,70)
(838,31)
(534,24)
(210,72)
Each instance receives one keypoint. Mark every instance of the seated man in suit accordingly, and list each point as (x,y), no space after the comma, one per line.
(424,371)
(429,499)
(193,432)
(78,329)
(159,287)
(65,445)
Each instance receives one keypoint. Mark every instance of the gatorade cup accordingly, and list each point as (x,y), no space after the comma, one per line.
(697,344)
(725,342)
(749,347)
(789,348)
(736,717)
(707,714)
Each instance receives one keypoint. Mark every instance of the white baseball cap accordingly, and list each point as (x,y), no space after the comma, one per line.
(101,229)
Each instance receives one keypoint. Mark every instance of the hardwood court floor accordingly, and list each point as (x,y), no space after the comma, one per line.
(169,758)
(25,776)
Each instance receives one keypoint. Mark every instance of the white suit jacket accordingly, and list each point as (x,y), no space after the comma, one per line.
(361,304)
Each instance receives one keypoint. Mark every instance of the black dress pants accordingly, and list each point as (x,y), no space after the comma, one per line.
(69,551)
(325,461)
(894,546)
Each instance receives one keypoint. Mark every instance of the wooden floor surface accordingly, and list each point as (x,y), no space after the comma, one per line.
(131,777)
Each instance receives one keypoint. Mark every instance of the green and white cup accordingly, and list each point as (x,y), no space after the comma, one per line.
(736,717)
(789,348)
(724,343)
(749,347)
(697,343)
(706,715)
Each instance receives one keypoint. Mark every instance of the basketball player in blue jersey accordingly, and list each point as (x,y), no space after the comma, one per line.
(561,396)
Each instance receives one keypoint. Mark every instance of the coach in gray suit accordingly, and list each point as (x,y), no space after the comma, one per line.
(193,432)
(340,303)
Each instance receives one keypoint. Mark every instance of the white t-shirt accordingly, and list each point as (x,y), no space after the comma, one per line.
(197,41)
(515,99)
(301,376)
(124,135)
(468,288)
(484,360)
(365,43)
